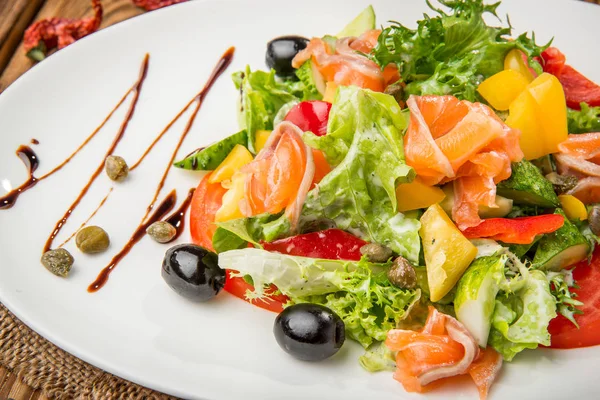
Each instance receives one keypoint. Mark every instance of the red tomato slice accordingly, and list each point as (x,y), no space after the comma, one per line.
(310,116)
(207,200)
(238,287)
(565,335)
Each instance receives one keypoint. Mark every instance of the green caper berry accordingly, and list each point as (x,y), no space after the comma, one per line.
(58,261)
(594,220)
(161,231)
(92,239)
(376,253)
(116,168)
(402,274)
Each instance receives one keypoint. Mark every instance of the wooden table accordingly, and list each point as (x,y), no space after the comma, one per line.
(15,17)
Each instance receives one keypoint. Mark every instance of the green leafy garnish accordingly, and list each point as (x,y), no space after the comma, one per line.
(584,121)
(560,284)
(450,53)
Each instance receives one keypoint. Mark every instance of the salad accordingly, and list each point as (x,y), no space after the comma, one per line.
(427,192)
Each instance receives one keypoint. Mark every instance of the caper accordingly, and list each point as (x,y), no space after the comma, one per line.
(58,261)
(161,231)
(92,239)
(376,252)
(396,91)
(562,183)
(402,274)
(116,168)
(594,220)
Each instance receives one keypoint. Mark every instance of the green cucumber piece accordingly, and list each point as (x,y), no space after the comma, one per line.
(476,295)
(314,84)
(363,22)
(562,248)
(209,158)
(528,186)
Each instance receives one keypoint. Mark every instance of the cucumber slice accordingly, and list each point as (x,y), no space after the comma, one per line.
(314,83)
(363,22)
(210,157)
(476,295)
(561,249)
(528,186)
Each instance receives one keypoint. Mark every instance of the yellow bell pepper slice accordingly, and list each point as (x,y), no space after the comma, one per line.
(330,91)
(540,113)
(573,207)
(230,208)
(502,88)
(235,160)
(416,194)
(261,139)
(446,250)
(514,61)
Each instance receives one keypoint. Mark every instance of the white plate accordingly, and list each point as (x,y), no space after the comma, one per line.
(136,327)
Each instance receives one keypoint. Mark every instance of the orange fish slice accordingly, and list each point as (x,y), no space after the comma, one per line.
(586,145)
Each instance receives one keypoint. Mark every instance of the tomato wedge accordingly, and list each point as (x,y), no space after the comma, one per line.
(564,334)
(238,287)
(310,116)
(207,200)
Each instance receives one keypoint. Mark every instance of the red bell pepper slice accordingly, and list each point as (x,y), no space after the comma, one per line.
(578,89)
(332,244)
(521,230)
(310,116)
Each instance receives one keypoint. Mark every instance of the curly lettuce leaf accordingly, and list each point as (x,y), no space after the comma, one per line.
(521,318)
(450,53)
(585,120)
(359,194)
(359,292)
(261,97)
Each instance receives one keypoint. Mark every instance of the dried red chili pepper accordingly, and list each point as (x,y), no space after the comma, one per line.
(150,5)
(49,33)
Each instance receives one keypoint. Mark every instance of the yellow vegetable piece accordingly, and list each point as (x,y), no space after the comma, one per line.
(261,139)
(416,194)
(230,208)
(514,61)
(502,88)
(573,207)
(235,160)
(330,91)
(540,113)
(447,252)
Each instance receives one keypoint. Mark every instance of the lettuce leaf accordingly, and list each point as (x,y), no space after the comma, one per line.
(359,194)
(584,121)
(237,233)
(261,97)
(450,53)
(521,318)
(359,292)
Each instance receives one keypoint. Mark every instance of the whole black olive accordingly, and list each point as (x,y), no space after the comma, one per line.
(309,332)
(193,272)
(281,51)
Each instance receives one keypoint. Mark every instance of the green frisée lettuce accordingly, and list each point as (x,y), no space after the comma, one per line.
(261,97)
(364,142)
(450,53)
(359,292)
(585,120)
(521,318)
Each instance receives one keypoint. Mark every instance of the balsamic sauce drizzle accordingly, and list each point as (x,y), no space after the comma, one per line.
(137,87)
(198,100)
(31,161)
(177,219)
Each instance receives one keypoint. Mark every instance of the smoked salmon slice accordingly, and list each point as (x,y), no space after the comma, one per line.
(579,155)
(443,349)
(280,176)
(451,140)
(346,65)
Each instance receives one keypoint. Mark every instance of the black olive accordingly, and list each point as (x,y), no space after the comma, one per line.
(193,272)
(309,332)
(281,51)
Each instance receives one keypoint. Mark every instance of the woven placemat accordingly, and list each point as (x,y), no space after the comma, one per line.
(59,375)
